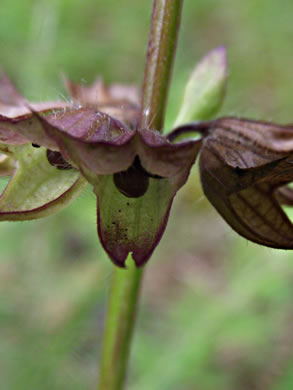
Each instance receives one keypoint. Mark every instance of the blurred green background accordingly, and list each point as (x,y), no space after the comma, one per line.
(216,311)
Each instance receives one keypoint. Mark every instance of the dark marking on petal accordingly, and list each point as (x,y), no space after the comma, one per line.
(133,182)
(36,145)
(56,160)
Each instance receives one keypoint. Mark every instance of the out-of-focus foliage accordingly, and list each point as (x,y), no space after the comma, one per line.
(216,310)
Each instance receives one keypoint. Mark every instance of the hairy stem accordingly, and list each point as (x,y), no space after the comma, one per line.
(126,282)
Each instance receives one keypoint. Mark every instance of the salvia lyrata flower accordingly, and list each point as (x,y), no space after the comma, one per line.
(52,150)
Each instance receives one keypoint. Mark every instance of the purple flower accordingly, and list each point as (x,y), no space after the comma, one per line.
(135,173)
(53,150)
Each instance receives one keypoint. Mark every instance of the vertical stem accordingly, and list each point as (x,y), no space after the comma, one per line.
(126,283)
(160,57)
(119,326)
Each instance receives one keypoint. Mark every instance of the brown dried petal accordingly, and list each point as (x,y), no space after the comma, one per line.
(241,170)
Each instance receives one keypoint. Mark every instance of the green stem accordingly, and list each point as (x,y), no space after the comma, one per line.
(160,57)
(119,326)
(126,282)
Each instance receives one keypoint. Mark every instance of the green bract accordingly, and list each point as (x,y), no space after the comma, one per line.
(205,88)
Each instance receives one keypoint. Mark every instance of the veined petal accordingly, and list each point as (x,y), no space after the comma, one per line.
(37,189)
(102,145)
(241,173)
(95,142)
(250,143)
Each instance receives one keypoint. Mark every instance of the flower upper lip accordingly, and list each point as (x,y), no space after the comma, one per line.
(87,130)
(93,140)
